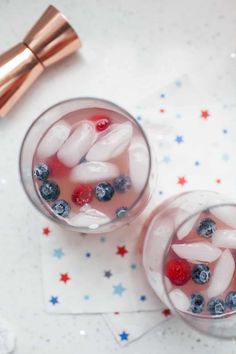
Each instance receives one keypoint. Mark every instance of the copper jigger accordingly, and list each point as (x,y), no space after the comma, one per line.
(50,40)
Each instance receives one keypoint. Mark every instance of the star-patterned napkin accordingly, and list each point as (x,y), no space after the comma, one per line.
(104,274)
(94,273)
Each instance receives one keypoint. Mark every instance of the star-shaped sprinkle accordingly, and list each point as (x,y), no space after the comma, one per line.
(133,266)
(121,251)
(88,254)
(225,131)
(225,157)
(58,253)
(143,298)
(124,336)
(162,110)
(166,159)
(86,297)
(54,300)
(166,312)
(162,95)
(205,114)
(46,231)
(64,277)
(139,118)
(181,181)
(118,289)
(107,274)
(197,163)
(179,139)
(178,83)
(218,180)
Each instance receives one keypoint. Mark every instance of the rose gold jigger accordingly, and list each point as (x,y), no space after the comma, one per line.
(50,40)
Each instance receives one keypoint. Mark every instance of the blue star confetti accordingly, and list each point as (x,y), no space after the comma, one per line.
(133,266)
(86,297)
(124,336)
(58,253)
(118,289)
(179,139)
(88,254)
(143,298)
(54,300)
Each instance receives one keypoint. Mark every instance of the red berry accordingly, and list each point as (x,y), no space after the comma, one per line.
(56,168)
(82,194)
(178,271)
(102,122)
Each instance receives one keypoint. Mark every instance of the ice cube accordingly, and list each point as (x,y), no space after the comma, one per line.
(222,274)
(90,218)
(179,299)
(53,140)
(138,163)
(226,213)
(77,145)
(186,227)
(94,171)
(224,238)
(197,251)
(111,144)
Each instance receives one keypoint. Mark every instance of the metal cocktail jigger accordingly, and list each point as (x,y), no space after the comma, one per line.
(51,39)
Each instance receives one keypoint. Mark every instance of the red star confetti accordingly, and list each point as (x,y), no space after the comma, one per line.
(116,313)
(205,114)
(121,251)
(181,181)
(166,312)
(64,277)
(218,180)
(162,110)
(46,231)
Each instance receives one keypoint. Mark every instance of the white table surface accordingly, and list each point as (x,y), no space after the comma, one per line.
(131,48)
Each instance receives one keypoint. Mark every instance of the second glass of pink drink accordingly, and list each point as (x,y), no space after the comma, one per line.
(86,164)
(189,257)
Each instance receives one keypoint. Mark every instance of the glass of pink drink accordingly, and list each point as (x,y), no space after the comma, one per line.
(86,164)
(189,257)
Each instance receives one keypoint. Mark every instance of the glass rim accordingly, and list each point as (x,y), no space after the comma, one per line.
(51,216)
(184,314)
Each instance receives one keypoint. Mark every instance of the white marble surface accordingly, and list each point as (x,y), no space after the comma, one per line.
(131,48)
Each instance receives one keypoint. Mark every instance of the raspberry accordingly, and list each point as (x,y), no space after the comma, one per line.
(82,194)
(102,122)
(178,271)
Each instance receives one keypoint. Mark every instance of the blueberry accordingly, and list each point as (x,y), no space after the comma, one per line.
(197,303)
(201,273)
(121,212)
(230,300)
(216,306)
(41,172)
(104,191)
(206,228)
(61,208)
(49,191)
(122,184)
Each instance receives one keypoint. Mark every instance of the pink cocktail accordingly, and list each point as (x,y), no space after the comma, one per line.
(189,257)
(86,164)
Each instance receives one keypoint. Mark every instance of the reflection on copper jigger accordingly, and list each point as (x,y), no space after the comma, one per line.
(50,40)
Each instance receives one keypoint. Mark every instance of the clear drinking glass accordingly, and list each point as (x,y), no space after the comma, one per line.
(189,258)
(86,164)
